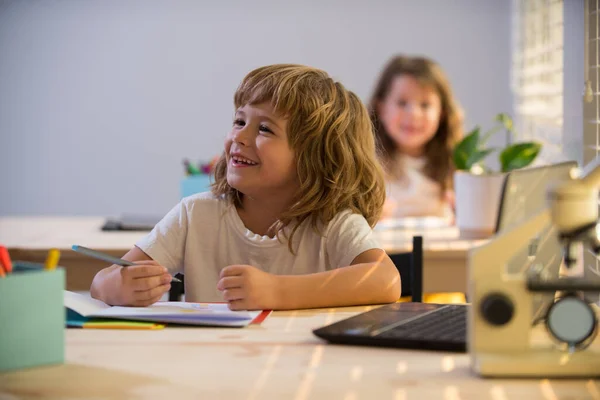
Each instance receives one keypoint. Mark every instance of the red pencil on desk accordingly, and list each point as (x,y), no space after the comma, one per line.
(5,262)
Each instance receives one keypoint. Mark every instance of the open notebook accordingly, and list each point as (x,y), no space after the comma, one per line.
(202,314)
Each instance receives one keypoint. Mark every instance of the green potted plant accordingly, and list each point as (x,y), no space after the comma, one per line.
(477,187)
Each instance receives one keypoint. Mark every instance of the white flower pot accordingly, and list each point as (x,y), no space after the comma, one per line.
(477,202)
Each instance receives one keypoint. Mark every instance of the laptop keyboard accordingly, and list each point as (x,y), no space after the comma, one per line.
(446,324)
(404,325)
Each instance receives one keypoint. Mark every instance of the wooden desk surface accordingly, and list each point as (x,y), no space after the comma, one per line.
(29,238)
(280,359)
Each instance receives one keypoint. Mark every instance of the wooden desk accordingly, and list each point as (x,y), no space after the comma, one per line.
(279,359)
(29,238)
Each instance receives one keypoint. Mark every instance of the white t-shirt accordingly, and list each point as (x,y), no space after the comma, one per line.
(203,234)
(415,194)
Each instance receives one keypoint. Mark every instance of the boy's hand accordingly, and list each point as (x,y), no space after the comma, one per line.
(245,287)
(138,285)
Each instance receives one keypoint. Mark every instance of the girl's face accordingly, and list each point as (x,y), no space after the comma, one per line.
(260,161)
(410,113)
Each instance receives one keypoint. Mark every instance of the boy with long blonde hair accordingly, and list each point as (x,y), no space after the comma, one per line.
(288,222)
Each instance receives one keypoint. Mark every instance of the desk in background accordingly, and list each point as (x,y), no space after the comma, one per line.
(29,238)
(445,254)
(280,359)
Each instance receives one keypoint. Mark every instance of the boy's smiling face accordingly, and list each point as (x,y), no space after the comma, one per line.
(260,161)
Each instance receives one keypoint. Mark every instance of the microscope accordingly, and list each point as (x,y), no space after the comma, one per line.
(503,338)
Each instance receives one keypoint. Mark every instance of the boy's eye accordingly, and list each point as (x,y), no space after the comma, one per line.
(264,128)
(238,122)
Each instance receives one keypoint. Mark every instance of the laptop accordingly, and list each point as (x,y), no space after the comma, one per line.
(444,326)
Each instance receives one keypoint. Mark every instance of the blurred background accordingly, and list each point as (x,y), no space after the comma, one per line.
(101,100)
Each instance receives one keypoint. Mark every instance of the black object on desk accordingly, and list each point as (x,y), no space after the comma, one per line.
(131,222)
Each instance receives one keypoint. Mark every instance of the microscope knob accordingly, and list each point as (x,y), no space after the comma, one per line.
(571,320)
(497,309)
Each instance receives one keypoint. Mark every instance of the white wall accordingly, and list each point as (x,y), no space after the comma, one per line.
(100,100)
(574,81)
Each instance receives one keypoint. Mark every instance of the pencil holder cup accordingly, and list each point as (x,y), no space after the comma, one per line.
(32,331)
(194,184)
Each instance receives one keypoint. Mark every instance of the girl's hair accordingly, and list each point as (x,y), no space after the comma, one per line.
(438,151)
(332,138)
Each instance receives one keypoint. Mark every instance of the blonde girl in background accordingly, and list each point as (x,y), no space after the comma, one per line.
(417,123)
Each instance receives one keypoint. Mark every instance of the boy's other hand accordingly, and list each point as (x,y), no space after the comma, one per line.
(245,287)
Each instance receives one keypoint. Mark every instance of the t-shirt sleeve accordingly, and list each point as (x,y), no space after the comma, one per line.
(349,236)
(165,244)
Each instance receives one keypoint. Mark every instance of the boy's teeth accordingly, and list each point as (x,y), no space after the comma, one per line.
(243,160)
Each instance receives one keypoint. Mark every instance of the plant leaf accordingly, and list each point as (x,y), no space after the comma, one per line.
(519,155)
(465,149)
(478,155)
(505,120)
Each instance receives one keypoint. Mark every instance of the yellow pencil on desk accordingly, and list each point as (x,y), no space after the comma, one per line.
(52,259)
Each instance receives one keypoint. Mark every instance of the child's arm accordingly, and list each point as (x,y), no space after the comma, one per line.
(138,285)
(371,278)
(145,283)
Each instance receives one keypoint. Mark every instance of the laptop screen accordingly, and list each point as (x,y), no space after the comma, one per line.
(524,192)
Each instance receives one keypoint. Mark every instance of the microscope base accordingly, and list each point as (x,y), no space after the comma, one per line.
(540,363)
